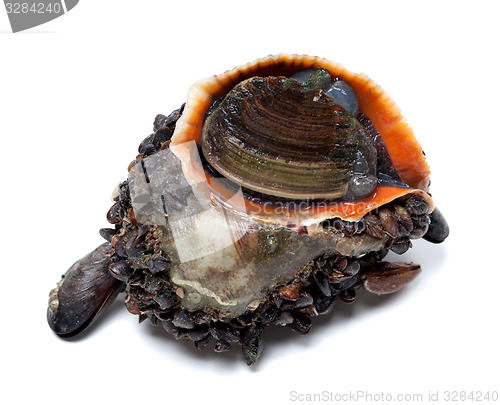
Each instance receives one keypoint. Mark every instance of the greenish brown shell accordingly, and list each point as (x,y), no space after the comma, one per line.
(272,136)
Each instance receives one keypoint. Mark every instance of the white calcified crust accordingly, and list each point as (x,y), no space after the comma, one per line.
(398,136)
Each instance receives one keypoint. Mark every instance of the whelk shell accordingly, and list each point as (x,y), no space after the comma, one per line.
(296,241)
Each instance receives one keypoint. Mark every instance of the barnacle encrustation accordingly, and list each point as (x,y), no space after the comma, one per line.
(275,191)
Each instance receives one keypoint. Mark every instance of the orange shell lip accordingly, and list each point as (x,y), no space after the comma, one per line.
(402,146)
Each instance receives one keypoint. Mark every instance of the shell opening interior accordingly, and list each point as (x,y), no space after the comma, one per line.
(401,168)
(296,138)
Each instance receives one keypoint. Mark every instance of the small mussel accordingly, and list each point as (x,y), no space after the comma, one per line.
(275,191)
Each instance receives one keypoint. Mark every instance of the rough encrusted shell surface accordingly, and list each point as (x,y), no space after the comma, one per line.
(286,263)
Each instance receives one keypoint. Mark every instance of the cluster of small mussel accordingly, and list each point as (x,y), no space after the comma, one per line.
(136,258)
(152,295)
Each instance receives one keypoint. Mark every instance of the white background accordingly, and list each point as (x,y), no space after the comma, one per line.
(78,94)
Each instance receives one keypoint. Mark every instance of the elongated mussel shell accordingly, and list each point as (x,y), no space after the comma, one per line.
(272,136)
(387,278)
(86,289)
(438,228)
